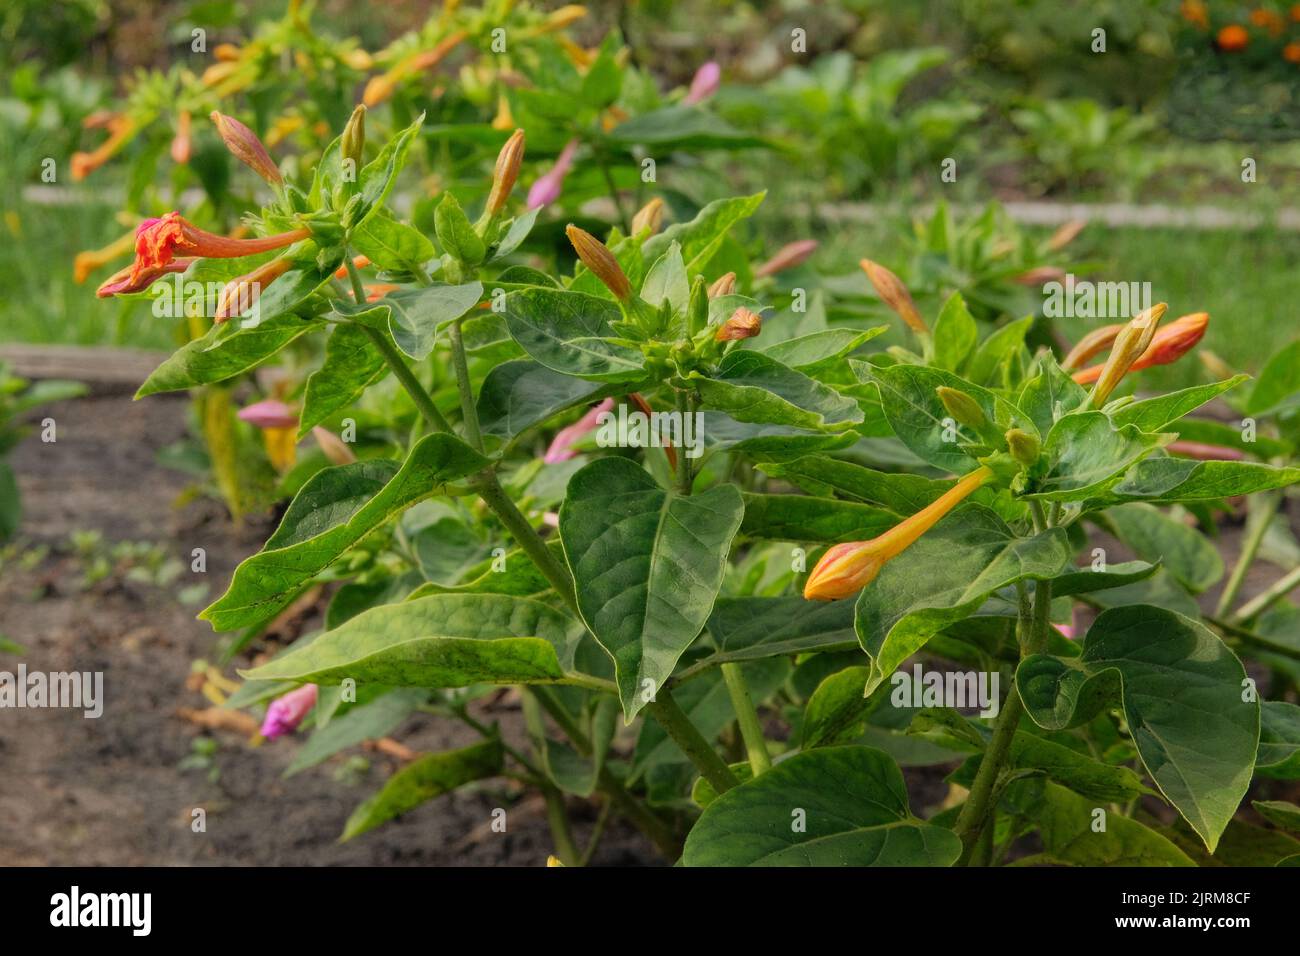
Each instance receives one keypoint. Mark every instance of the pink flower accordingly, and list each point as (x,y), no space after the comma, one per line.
(704,84)
(562,445)
(287,712)
(548,186)
(270,413)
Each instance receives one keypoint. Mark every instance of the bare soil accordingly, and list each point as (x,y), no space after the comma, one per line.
(109,791)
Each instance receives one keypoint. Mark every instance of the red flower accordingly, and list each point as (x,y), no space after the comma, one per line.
(158,240)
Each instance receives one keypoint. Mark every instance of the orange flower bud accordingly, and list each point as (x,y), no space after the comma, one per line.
(181,143)
(895,295)
(563,17)
(246,147)
(130,280)
(1233,38)
(1095,342)
(846,569)
(787,257)
(509,160)
(225,52)
(1168,345)
(121,129)
(359,261)
(1040,275)
(650,216)
(504,119)
(1066,234)
(241,293)
(724,284)
(596,257)
(743,324)
(336,450)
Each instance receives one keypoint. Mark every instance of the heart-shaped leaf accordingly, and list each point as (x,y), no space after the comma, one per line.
(571,332)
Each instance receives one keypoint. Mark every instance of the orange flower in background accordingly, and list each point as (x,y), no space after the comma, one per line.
(121,129)
(743,324)
(1232,38)
(1291,52)
(87,262)
(1194,12)
(182,146)
(846,569)
(359,261)
(1295,13)
(381,87)
(894,294)
(1169,345)
(1268,20)
(158,240)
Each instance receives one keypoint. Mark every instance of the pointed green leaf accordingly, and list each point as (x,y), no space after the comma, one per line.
(955,334)
(1181,690)
(352,364)
(647,564)
(1153,414)
(335,509)
(1186,554)
(1279,741)
(570,332)
(415,316)
(517,395)
(853,806)
(753,387)
(807,519)
(1161,480)
(701,237)
(1084,451)
(223,352)
(1065,824)
(818,351)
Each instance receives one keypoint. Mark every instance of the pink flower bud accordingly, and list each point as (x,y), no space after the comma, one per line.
(287,712)
(562,445)
(549,185)
(704,84)
(271,413)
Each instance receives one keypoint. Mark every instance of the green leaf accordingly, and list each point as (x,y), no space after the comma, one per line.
(944,577)
(376,179)
(1049,395)
(521,577)
(807,519)
(753,387)
(392,245)
(1064,822)
(571,332)
(1081,773)
(514,237)
(335,509)
(1084,451)
(224,351)
(443,640)
(1087,581)
(415,316)
(820,475)
(955,334)
(773,442)
(456,232)
(1279,812)
(517,395)
(837,711)
(666,281)
(352,364)
(1153,414)
(682,127)
(853,804)
(749,628)
(11,510)
(647,564)
(819,351)
(1181,690)
(430,776)
(701,237)
(1278,385)
(1161,480)
(1187,555)
(996,350)
(369,721)
(1279,741)
(918,418)
(566,768)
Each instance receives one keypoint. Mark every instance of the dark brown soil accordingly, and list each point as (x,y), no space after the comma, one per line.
(110,791)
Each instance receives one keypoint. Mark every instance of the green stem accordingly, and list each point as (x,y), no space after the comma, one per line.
(558,818)
(490,490)
(614,195)
(685,479)
(978,806)
(747,718)
(1262,602)
(688,738)
(469,413)
(1256,526)
(597,832)
(1042,624)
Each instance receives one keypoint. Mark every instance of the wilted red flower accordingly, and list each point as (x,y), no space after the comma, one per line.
(158,240)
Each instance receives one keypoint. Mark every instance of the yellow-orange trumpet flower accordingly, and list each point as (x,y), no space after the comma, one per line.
(847,568)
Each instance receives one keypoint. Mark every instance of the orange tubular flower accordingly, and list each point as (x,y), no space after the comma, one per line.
(1066,234)
(359,261)
(891,290)
(128,280)
(787,257)
(241,293)
(1095,342)
(121,129)
(181,143)
(1233,38)
(381,87)
(847,568)
(158,240)
(87,262)
(1169,345)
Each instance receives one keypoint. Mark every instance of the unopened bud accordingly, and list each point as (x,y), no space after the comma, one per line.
(1024,447)
(743,324)
(597,257)
(353,143)
(1095,342)
(724,284)
(650,216)
(787,257)
(246,147)
(509,160)
(1066,234)
(1215,365)
(891,290)
(962,407)
(1130,343)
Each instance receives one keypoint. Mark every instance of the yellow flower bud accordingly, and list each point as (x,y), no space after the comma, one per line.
(353,143)
(1130,343)
(1024,447)
(650,216)
(509,160)
(596,257)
